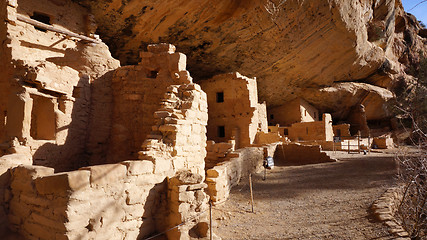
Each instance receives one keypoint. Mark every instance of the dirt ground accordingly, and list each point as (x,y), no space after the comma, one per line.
(318,201)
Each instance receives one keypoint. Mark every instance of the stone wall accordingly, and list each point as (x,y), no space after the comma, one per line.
(188,204)
(297,154)
(137,92)
(295,111)
(225,175)
(48,81)
(116,201)
(234,111)
(219,152)
(341,130)
(309,131)
(126,199)
(383,142)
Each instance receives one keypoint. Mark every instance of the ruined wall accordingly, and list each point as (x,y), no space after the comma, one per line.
(341,130)
(233,109)
(357,120)
(137,92)
(225,175)
(50,85)
(297,154)
(219,152)
(189,205)
(297,110)
(307,131)
(126,200)
(382,142)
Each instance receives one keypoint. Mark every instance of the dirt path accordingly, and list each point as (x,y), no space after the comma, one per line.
(322,201)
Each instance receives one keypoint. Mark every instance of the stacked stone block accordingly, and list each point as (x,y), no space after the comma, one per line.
(188,204)
(219,152)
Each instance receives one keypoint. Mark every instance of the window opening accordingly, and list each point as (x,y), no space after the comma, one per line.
(41,17)
(220,97)
(43,119)
(221,131)
(285,132)
(271,116)
(153,74)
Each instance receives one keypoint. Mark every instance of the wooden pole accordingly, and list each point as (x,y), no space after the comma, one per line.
(348,144)
(369,143)
(54,29)
(252,196)
(358,142)
(210,220)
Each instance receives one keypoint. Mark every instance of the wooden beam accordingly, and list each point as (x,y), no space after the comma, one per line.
(54,29)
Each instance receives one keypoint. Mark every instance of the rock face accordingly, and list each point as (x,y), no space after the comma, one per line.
(289,45)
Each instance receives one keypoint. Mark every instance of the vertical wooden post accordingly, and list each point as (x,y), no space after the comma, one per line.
(369,143)
(358,142)
(210,220)
(348,146)
(252,196)
(333,146)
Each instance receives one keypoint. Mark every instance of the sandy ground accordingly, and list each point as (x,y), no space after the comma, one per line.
(319,201)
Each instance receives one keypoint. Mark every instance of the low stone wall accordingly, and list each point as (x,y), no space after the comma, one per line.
(219,152)
(297,154)
(225,175)
(383,142)
(115,201)
(384,209)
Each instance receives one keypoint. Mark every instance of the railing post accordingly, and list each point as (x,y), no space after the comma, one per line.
(358,142)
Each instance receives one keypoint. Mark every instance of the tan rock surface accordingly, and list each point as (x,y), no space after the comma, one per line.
(287,45)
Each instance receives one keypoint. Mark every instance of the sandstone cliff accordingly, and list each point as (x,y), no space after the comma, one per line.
(334,53)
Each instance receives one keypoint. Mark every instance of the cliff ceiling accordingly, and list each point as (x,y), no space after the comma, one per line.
(334,53)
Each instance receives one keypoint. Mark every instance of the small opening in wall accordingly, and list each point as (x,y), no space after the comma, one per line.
(153,74)
(43,119)
(305,112)
(315,115)
(271,116)
(285,132)
(41,17)
(221,131)
(220,97)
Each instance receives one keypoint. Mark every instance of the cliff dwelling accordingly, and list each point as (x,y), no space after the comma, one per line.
(134,120)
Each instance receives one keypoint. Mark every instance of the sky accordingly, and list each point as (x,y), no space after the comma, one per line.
(419,11)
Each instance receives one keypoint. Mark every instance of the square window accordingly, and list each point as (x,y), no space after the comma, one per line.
(220,97)
(221,131)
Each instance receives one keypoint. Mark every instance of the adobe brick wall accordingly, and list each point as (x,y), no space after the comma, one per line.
(297,154)
(47,82)
(310,131)
(240,113)
(225,175)
(123,200)
(295,111)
